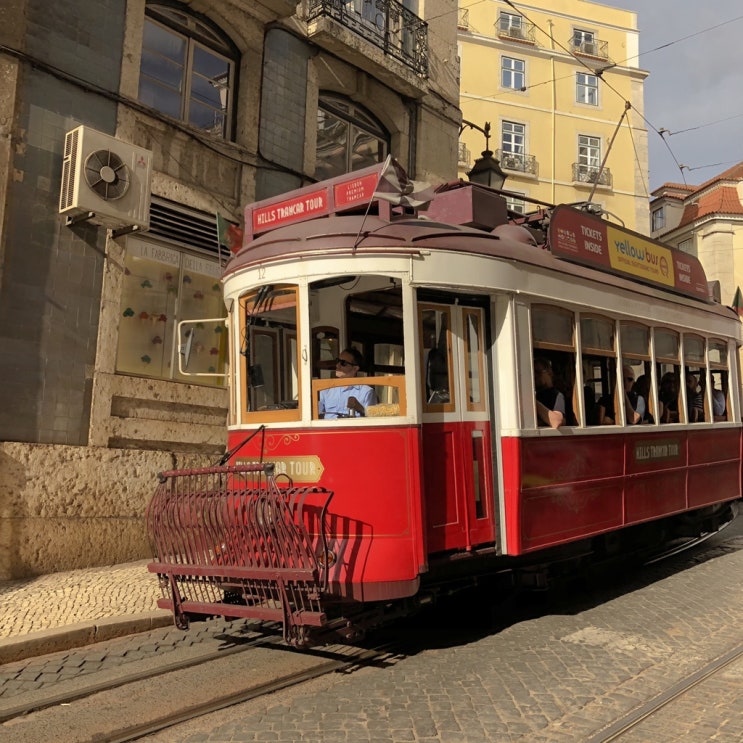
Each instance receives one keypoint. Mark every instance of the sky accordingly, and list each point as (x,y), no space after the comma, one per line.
(695,86)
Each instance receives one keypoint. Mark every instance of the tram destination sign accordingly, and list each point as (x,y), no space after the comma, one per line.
(591,241)
(349,191)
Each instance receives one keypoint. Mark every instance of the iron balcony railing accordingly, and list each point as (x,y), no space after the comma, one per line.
(463,19)
(525,31)
(463,156)
(518,161)
(593,48)
(591,174)
(386,24)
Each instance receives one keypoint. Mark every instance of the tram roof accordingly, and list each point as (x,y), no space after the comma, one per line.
(345,216)
(363,236)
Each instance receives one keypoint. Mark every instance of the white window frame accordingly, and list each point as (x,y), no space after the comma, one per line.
(510,73)
(586,89)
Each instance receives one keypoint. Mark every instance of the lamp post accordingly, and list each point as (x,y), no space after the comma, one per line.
(487,170)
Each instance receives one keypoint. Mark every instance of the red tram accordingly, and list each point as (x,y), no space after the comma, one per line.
(328,522)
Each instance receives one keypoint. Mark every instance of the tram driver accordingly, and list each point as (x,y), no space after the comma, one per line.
(348,401)
(550,401)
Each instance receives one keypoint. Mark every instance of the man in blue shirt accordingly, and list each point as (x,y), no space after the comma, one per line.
(350,400)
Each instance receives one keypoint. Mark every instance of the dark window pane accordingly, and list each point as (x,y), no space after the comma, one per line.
(163,42)
(162,70)
(163,99)
(208,64)
(205,91)
(206,117)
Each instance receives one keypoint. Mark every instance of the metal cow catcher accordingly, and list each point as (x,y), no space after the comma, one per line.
(231,541)
(536,389)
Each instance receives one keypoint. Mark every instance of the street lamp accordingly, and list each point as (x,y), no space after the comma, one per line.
(487,170)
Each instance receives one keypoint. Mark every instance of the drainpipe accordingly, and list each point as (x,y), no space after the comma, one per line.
(554,111)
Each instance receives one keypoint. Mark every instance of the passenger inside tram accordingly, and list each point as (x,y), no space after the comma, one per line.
(349,401)
(641,390)
(550,401)
(668,398)
(694,398)
(719,406)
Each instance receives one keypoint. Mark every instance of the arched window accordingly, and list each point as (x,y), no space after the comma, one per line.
(188,69)
(348,138)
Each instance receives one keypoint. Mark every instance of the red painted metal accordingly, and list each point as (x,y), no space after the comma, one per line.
(226,535)
(559,489)
(374,522)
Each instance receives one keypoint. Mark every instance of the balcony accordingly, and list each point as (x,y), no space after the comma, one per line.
(594,48)
(591,174)
(524,32)
(386,24)
(518,162)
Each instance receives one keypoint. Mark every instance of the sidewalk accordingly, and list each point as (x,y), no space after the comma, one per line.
(75,608)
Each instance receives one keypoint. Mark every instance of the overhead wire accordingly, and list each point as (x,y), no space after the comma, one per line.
(660,131)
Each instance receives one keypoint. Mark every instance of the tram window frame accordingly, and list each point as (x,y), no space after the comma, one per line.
(373,325)
(695,364)
(474,372)
(666,362)
(635,343)
(717,357)
(325,350)
(434,399)
(560,352)
(278,327)
(594,351)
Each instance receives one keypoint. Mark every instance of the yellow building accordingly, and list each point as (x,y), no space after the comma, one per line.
(558,83)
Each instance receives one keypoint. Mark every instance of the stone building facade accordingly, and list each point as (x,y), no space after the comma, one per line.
(232,102)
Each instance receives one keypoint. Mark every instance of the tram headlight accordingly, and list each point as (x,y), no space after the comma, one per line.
(326,559)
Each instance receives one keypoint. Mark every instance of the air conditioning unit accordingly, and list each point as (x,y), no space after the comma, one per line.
(105,181)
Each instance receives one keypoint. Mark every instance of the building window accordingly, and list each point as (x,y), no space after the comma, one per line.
(587,89)
(510,23)
(513,73)
(514,203)
(589,152)
(513,137)
(161,287)
(187,69)
(583,41)
(658,219)
(687,246)
(348,138)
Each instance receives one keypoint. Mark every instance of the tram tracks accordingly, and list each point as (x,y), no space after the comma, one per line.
(184,690)
(634,719)
(69,695)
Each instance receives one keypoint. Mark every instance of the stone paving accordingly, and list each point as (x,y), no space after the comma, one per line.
(61,599)
(556,677)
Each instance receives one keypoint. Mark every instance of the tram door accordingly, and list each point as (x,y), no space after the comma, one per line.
(457,464)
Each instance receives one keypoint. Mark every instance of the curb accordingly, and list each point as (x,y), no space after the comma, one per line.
(79,635)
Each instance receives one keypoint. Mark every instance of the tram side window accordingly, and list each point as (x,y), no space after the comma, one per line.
(436,362)
(636,379)
(668,372)
(695,377)
(270,380)
(720,386)
(598,361)
(553,348)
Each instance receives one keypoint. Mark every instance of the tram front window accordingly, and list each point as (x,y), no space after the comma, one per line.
(363,313)
(269,349)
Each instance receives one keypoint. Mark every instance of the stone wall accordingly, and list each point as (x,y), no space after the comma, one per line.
(67,507)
